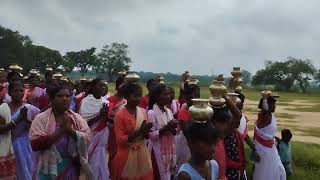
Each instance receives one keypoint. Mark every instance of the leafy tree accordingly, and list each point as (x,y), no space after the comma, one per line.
(42,56)
(83,60)
(12,48)
(285,74)
(302,71)
(113,59)
(69,61)
(246,77)
(317,76)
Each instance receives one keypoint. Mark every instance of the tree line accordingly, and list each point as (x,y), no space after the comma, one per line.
(285,74)
(17,48)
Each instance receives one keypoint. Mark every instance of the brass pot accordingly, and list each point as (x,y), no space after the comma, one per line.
(236,73)
(217,89)
(132,77)
(200,110)
(122,73)
(57,76)
(15,67)
(270,93)
(234,98)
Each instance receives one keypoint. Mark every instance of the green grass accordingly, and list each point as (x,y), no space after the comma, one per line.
(250,93)
(306,157)
(313,108)
(285,115)
(306,162)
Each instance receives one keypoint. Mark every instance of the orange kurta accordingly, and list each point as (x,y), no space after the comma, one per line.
(125,124)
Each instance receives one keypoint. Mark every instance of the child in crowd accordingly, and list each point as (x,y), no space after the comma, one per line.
(202,138)
(284,149)
(174,104)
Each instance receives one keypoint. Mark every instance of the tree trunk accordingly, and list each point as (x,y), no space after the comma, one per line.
(110,76)
(303,87)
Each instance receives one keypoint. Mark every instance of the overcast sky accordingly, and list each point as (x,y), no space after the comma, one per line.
(203,36)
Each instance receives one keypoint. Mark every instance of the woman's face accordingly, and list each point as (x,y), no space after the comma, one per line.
(100,88)
(17,93)
(164,97)
(61,100)
(134,98)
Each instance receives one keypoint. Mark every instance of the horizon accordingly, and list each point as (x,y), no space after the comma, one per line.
(206,38)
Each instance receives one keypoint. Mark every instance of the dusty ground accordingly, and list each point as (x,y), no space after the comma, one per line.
(305,126)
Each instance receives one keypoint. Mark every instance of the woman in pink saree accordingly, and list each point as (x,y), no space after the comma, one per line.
(162,141)
(60,136)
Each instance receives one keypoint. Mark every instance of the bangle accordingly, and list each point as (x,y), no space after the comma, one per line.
(14,123)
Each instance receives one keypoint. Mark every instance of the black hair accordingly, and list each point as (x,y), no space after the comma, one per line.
(14,84)
(155,93)
(11,74)
(241,96)
(221,115)
(52,91)
(286,135)
(189,89)
(203,132)
(93,83)
(119,82)
(130,88)
(269,100)
(150,81)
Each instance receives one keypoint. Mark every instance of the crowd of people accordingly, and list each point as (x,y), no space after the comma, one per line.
(56,128)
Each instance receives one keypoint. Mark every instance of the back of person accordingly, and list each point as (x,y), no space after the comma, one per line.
(194,175)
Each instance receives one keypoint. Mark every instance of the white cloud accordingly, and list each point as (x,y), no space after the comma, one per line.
(173,35)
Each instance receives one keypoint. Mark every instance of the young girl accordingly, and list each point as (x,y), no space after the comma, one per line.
(284,149)
(174,104)
(22,115)
(33,93)
(144,103)
(133,159)
(116,103)
(161,144)
(225,119)
(202,138)
(184,118)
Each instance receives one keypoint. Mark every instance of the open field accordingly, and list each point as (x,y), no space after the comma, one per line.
(298,112)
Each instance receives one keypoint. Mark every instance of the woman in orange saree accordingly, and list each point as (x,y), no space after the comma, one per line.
(133,161)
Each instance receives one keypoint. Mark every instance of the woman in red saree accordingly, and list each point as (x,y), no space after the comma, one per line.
(116,103)
(133,160)
(144,102)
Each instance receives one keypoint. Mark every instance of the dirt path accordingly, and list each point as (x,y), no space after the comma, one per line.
(305,126)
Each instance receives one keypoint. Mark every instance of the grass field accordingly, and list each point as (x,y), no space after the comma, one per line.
(306,157)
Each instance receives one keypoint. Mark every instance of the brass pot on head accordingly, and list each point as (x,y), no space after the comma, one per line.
(200,110)
(217,89)
(16,68)
(234,98)
(132,77)
(236,74)
(161,79)
(270,93)
(122,73)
